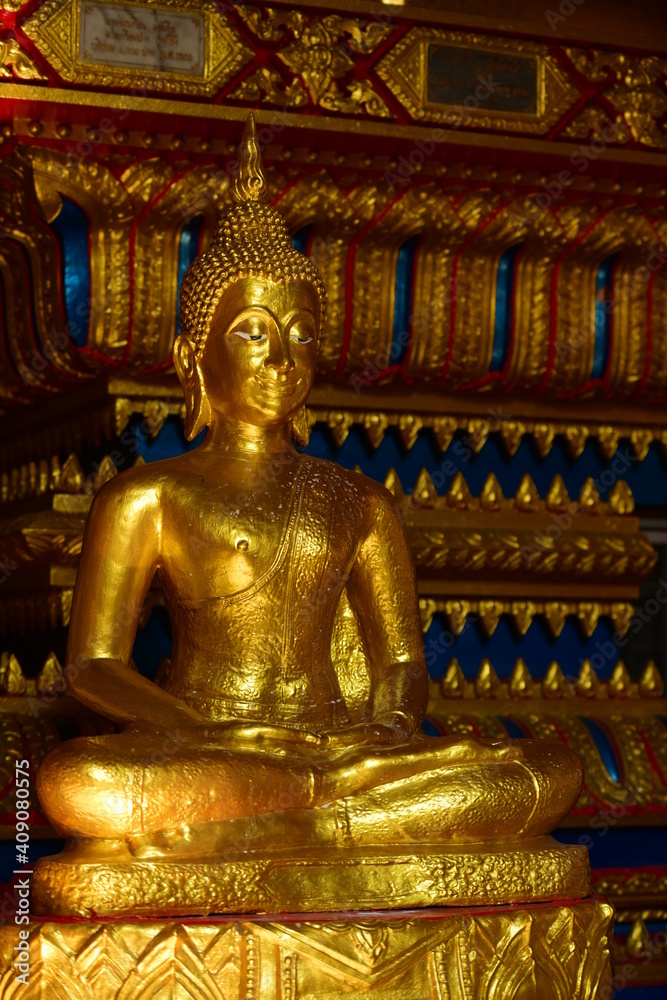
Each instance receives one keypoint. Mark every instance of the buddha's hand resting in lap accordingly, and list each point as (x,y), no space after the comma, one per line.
(369,734)
(376,740)
(239,733)
(259,735)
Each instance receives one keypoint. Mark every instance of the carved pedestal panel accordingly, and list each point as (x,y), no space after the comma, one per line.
(314,880)
(540,952)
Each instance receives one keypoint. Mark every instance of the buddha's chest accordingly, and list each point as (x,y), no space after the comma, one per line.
(234,538)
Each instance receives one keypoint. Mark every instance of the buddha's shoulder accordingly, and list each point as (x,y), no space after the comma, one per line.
(138,489)
(350,485)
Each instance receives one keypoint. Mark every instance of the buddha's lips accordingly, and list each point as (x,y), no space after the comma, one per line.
(278,388)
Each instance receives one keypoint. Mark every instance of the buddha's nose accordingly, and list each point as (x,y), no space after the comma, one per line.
(279,357)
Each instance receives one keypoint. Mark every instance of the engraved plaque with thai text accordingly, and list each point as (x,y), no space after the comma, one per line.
(171,47)
(457,76)
(467,80)
(142,36)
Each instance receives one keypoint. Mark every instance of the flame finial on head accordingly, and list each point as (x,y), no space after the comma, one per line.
(249,183)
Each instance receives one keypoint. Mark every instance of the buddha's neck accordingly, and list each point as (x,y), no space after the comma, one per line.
(238,440)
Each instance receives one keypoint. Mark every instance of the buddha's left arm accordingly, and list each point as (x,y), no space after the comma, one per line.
(383,591)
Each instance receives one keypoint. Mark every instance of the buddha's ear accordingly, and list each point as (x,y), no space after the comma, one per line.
(197,407)
(301,427)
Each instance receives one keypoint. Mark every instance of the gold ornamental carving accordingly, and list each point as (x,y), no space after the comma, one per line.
(56,29)
(267,85)
(15,62)
(405,71)
(637,89)
(549,953)
(637,895)
(487,612)
(320,53)
(112,204)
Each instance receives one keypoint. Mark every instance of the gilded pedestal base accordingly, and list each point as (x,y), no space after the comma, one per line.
(306,881)
(543,952)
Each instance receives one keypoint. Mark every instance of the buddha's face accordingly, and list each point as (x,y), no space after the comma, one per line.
(258,363)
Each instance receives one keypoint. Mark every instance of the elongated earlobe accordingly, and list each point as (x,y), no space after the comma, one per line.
(197,407)
(301,427)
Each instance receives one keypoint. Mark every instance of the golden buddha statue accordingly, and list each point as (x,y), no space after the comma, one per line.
(290,721)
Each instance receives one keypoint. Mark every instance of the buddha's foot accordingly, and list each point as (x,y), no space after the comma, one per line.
(95,850)
(201,840)
(293,828)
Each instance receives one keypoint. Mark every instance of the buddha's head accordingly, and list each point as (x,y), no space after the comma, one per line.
(251,311)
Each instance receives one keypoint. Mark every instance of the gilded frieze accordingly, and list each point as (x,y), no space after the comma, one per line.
(614,695)
(372,67)
(320,52)
(96,422)
(636,895)
(520,611)
(357,230)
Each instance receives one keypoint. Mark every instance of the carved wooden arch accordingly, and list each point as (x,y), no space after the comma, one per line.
(109,208)
(443,231)
(573,341)
(630,356)
(492,230)
(397,217)
(34,321)
(655,378)
(544,236)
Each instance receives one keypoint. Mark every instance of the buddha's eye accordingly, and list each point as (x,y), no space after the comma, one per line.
(251,331)
(301,335)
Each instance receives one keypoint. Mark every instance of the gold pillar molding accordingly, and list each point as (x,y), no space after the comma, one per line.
(553,952)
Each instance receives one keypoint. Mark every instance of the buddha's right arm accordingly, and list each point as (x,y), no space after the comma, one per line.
(121,551)
(111,688)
